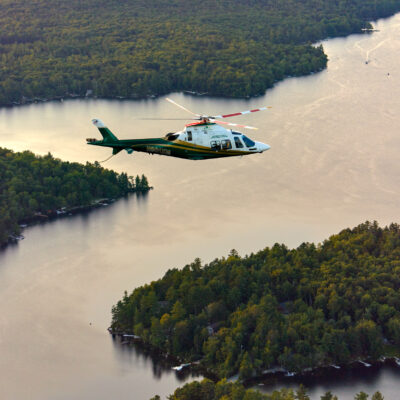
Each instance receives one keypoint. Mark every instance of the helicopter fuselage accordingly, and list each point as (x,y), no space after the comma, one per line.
(197,141)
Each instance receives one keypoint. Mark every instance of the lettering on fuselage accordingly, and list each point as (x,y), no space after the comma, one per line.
(158,150)
(218,136)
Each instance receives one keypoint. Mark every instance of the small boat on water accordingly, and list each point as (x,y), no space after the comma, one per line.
(364,363)
(136,337)
(335,366)
(397,361)
(369,30)
(180,367)
(17,237)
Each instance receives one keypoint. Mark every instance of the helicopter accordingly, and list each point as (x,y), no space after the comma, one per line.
(200,140)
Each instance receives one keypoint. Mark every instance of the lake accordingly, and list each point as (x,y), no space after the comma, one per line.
(333,164)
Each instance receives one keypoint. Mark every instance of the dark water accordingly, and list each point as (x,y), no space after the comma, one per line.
(333,163)
(343,383)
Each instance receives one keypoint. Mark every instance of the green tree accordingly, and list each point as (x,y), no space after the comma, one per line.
(144,184)
(301,393)
(361,396)
(328,396)
(246,368)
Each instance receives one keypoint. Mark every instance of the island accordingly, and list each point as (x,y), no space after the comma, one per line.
(292,310)
(144,48)
(34,188)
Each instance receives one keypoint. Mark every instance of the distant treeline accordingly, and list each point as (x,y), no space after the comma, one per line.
(137,48)
(223,390)
(313,306)
(31,184)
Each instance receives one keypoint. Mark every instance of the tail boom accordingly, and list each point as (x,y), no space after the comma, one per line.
(109,139)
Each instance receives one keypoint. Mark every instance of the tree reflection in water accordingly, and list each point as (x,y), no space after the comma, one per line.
(136,353)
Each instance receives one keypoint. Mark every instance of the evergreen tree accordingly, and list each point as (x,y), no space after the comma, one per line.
(301,393)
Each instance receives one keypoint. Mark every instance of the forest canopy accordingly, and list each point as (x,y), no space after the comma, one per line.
(224,390)
(31,184)
(137,48)
(301,308)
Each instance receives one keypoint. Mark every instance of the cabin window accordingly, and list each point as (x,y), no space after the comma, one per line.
(189,135)
(238,143)
(226,144)
(215,145)
(248,142)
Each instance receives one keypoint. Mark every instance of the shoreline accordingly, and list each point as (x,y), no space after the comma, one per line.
(320,371)
(270,374)
(190,92)
(153,96)
(61,99)
(62,212)
(176,364)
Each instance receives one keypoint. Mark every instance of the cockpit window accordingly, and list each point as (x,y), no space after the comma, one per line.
(172,136)
(238,143)
(248,142)
(189,135)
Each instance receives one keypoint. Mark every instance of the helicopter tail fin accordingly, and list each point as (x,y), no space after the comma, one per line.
(108,136)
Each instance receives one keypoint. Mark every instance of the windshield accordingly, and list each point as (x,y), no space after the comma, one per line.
(248,142)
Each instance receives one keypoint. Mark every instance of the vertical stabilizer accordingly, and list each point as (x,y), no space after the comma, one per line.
(108,136)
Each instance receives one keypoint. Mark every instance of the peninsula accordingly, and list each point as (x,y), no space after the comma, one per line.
(35,187)
(145,48)
(292,309)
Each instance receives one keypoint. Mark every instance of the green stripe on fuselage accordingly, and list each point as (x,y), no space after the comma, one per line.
(183,150)
(168,148)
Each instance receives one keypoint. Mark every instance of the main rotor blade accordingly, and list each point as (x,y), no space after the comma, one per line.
(183,108)
(241,113)
(163,119)
(231,124)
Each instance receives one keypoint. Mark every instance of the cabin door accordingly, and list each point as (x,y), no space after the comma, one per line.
(199,137)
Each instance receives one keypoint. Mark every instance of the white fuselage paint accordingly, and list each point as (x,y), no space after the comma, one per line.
(211,135)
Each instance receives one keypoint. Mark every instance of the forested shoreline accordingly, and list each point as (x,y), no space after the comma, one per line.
(224,390)
(296,309)
(36,187)
(137,48)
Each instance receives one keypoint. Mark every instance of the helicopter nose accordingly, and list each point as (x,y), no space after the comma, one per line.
(264,147)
